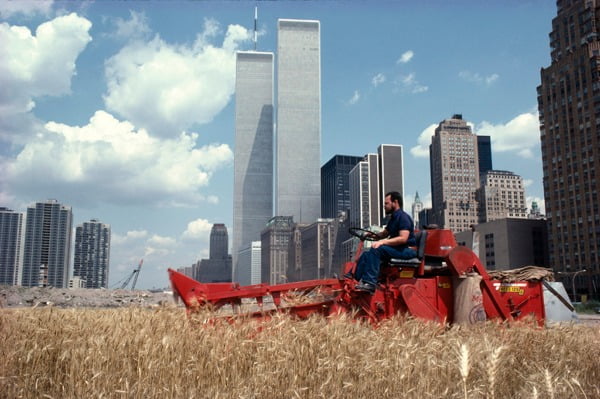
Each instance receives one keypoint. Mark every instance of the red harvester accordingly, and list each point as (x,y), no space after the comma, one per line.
(445,283)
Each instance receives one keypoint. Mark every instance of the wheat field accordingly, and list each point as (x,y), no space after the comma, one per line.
(161,353)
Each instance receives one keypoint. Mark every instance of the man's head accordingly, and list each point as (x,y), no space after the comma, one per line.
(393,202)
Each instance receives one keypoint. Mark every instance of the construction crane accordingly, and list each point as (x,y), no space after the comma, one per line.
(134,275)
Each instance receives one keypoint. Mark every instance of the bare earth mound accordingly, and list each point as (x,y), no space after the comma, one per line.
(12,296)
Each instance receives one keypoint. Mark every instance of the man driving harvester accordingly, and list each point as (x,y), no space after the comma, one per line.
(397,240)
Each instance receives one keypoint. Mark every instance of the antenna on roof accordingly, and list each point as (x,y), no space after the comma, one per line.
(255,23)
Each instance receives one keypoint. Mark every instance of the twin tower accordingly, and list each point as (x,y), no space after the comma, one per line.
(277,143)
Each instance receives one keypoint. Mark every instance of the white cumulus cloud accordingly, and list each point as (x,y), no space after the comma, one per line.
(25,7)
(198,229)
(421,150)
(136,27)
(405,57)
(37,64)
(128,238)
(477,78)
(165,88)
(355,97)
(109,161)
(519,135)
(378,79)
(409,83)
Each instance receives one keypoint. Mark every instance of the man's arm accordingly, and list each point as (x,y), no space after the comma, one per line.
(402,238)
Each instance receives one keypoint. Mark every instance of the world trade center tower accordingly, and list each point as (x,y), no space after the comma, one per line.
(253,152)
(298,180)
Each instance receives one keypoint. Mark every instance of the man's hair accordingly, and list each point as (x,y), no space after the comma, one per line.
(395,196)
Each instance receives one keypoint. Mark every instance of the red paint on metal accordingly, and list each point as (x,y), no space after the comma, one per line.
(409,289)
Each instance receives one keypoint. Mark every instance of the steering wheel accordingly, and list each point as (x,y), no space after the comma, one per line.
(363,234)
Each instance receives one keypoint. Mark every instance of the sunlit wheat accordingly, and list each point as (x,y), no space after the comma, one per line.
(162,353)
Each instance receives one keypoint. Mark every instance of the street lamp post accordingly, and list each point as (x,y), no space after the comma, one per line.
(573,283)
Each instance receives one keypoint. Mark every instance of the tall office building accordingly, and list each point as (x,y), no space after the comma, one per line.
(11,232)
(313,248)
(335,185)
(253,152)
(249,260)
(417,207)
(218,267)
(275,240)
(365,193)
(454,175)
(502,195)
(219,242)
(570,128)
(298,182)
(92,253)
(47,247)
(484,154)
(391,173)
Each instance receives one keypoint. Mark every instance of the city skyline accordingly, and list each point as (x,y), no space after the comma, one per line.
(94,121)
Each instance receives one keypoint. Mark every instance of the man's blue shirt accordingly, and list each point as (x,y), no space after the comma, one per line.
(401,220)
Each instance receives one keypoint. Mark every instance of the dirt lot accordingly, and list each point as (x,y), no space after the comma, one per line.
(11,296)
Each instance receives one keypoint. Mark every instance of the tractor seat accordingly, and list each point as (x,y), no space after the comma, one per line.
(421,237)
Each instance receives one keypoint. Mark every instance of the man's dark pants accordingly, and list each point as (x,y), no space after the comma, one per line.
(367,269)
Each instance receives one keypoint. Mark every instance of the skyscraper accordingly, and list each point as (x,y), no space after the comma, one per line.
(335,185)
(570,128)
(391,173)
(275,240)
(249,261)
(47,247)
(92,253)
(365,193)
(454,174)
(218,267)
(298,182)
(502,195)
(484,154)
(417,207)
(219,242)
(11,229)
(253,158)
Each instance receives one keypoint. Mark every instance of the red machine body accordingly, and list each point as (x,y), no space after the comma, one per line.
(423,287)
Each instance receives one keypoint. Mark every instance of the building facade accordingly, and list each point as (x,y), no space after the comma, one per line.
(92,254)
(298,181)
(218,267)
(274,256)
(335,185)
(569,129)
(501,195)
(11,246)
(311,251)
(253,152)
(365,193)
(47,246)
(417,207)
(454,175)
(219,242)
(509,243)
(391,173)
(484,154)
(249,265)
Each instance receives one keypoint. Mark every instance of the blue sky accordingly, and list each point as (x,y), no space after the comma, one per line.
(124,110)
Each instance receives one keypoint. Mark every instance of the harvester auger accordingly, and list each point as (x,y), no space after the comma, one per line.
(445,283)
